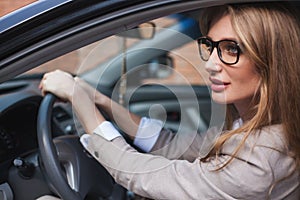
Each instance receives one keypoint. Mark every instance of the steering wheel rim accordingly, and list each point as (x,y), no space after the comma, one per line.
(84,168)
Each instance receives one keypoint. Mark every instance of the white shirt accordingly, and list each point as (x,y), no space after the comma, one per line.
(146,136)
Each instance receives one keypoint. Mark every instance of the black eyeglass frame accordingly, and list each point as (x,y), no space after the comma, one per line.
(215,44)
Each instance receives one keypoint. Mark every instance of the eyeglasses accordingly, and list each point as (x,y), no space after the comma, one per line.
(228,50)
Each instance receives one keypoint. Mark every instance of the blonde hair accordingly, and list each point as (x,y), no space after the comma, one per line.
(269,34)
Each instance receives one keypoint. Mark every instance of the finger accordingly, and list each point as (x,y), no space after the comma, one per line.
(45,75)
(43,92)
(44,86)
(40,85)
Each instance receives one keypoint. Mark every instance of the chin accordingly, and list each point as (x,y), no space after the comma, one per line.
(219,98)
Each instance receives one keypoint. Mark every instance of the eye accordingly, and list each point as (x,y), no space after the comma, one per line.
(205,48)
(206,45)
(230,48)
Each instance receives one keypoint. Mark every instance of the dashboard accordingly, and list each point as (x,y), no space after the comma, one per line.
(19,107)
(19,103)
(18,129)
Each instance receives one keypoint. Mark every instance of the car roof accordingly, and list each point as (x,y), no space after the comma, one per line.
(28,12)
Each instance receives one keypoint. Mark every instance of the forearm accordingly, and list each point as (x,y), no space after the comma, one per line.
(85,110)
(126,121)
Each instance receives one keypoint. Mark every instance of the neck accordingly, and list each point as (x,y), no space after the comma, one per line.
(244,109)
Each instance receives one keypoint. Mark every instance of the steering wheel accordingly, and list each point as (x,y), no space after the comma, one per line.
(73,173)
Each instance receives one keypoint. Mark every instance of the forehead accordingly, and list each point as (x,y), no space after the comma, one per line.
(221,28)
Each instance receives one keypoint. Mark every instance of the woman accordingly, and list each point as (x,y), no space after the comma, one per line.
(258,153)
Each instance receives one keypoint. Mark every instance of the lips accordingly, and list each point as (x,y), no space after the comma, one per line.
(218,85)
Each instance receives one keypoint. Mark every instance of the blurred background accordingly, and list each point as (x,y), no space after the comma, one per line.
(7,6)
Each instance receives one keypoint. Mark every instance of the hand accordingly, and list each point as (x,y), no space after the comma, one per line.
(59,83)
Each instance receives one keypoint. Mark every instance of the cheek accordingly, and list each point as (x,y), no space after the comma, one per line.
(244,82)
(236,93)
(244,86)
(248,87)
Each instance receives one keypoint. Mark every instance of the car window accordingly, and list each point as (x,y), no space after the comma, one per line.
(95,54)
(187,68)
(179,66)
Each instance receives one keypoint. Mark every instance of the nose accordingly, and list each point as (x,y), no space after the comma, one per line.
(213,65)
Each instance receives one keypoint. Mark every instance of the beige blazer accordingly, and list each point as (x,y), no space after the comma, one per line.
(253,174)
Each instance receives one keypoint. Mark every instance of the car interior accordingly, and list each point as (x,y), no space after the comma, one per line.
(155,88)
(159,75)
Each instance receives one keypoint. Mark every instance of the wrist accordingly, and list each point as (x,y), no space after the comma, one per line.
(102,100)
(77,93)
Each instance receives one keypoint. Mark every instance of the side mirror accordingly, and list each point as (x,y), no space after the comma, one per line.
(143,31)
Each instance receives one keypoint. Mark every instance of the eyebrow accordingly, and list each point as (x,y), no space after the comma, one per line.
(225,38)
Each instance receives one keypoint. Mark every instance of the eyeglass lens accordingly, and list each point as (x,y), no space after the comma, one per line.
(228,51)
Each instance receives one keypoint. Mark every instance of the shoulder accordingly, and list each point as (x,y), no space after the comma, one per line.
(265,148)
(269,137)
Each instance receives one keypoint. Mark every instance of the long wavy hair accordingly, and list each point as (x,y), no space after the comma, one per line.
(270,36)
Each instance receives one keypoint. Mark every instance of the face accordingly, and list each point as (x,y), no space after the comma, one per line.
(235,83)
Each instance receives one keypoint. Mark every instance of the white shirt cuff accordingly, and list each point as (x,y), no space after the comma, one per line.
(147,134)
(84,139)
(105,130)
